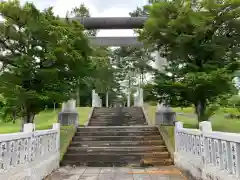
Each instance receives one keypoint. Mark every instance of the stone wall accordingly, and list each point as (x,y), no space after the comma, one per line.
(30,154)
(207,154)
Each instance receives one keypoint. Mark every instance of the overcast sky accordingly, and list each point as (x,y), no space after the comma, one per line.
(98,8)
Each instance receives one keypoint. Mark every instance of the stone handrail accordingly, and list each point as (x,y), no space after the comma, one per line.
(207,154)
(29,154)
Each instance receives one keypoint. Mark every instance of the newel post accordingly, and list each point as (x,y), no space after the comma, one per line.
(178,126)
(56,126)
(204,126)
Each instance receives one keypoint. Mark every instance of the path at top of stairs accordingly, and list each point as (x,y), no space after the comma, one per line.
(117,116)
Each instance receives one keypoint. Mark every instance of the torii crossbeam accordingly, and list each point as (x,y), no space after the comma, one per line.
(113,23)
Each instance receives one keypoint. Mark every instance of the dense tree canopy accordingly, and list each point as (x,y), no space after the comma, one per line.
(42,57)
(100,73)
(200,41)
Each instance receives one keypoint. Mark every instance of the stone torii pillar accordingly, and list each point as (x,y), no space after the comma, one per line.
(96,100)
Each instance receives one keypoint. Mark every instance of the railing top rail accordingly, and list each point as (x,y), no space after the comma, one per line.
(14,136)
(232,137)
(190,131)
(45,132)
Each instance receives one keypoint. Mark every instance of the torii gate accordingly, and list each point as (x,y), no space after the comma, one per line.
(118,23)
(113,23)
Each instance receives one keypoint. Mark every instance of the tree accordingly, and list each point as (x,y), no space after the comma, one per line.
(82,92)
(101,72)
(200,41)
(235,101)
(42,58)
(82,11)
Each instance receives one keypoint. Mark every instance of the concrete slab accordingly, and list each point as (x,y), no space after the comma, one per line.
(89,177)
(92,170)
(110,176)
(123,170)
(142,177)
(123,176)
(116,173)
(108,170)
(77,170)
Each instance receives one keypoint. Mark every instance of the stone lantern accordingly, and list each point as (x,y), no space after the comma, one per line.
(68,115)
(165,116)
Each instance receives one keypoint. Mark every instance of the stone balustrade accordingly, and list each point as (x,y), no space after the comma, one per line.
(29,154)
(207,154)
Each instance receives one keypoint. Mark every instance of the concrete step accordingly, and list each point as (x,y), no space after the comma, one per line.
(97,116)
(119,122)
(118,133)
(117,143)
(113,157)
(158,162)
(116,121)
(116,138)
(117,128)
(115,124)
(122,149)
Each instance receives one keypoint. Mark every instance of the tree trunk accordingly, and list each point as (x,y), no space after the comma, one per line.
(54,106)
(141,77)
(77,97)
(200,109)
(78,94)
(28,118)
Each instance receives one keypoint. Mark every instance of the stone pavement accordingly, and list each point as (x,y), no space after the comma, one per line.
(116,173)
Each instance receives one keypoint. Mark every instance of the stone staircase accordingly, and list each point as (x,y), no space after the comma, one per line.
(101,145)
(117,116)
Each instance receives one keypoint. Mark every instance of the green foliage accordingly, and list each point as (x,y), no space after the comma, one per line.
(42,57)
(200,41)
(100,73)
(235,101)
(132,64)
(82,11)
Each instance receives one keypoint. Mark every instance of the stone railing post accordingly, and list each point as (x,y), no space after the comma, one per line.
(100,102)
(93,98)
(107,99)
(178,126)
(140,97)
(56,126)
(29,127)
(204,127)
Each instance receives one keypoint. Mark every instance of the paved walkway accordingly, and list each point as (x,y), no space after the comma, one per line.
(116,173)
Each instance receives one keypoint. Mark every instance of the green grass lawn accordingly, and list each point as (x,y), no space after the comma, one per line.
(44,120)
(219,123)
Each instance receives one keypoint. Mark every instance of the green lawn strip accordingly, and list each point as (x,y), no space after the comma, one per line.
(67,132)
(66,135)
(44,120)
(219,123)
